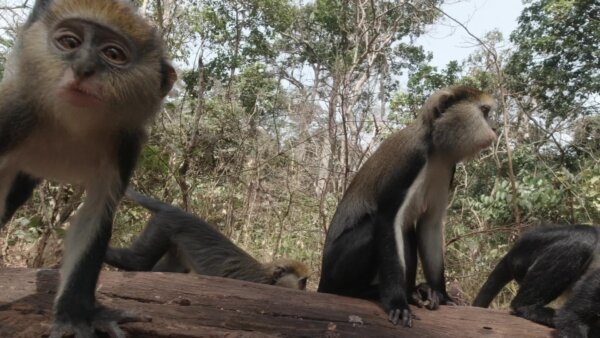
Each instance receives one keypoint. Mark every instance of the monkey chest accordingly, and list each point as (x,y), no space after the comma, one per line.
(427,197)
(63,158)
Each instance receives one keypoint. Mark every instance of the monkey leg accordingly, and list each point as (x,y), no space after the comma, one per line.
(549,277)
(349,263)
(75,308)
(171,262)
(392,272)
(145,252)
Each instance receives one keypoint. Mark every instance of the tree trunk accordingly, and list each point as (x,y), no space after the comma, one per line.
(186,305)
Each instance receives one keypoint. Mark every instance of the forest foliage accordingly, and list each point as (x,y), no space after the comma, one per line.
(280,102)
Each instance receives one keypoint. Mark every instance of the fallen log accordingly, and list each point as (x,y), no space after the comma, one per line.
(187,305)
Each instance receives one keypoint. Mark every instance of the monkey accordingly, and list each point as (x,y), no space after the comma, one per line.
(176,241)
(86,78)
(395,204)
(552,262)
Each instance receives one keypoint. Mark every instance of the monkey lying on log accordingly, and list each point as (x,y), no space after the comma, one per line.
(176,241)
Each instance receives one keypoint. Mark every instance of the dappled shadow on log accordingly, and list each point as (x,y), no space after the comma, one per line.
(187,305)
(17,314)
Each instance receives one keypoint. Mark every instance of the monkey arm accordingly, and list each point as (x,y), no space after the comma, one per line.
(85,247)
(15,189)
(392,272)
(15,123)
(17,118)
(430,230)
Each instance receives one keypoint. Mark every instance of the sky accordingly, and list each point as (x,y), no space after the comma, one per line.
(448,41)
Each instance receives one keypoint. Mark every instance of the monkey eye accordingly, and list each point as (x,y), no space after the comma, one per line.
(114,55)
(68,42)
(485,109)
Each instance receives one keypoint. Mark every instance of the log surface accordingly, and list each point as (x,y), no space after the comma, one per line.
(186,305)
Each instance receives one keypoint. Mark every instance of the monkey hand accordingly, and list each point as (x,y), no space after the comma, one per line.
(425,296)
(105,319)
(399,310)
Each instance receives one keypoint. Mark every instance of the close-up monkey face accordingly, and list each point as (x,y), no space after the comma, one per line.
(96,56)
(464,127)
(95,68)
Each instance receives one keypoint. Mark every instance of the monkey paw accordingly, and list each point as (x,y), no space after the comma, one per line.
(395,315)
(105,319)
(425,296)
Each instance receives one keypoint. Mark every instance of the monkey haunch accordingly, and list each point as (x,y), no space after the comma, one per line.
(177,241)
(547,263)
(84,78)
(395,204)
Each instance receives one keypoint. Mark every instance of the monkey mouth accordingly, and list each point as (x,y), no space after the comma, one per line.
(79,95)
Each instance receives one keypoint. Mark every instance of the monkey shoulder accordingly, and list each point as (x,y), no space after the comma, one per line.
(353,212)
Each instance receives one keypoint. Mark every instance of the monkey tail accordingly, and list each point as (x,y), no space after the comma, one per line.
(149,203)
(495,282)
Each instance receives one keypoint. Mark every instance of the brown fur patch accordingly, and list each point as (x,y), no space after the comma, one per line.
(292,266)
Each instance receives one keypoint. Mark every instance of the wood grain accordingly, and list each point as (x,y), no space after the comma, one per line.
(186,305)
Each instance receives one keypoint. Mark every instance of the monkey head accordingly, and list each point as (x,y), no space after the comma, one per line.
(289,273)
(458,118)
(96,61)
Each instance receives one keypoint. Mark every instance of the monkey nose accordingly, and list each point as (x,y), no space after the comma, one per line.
(83,72)
(494,125)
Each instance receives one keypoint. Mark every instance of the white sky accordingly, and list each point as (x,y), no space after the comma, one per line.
(448,41)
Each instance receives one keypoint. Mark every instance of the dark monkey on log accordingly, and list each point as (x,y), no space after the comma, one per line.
(84,79)
(552,262)
(395,205)
(177,241)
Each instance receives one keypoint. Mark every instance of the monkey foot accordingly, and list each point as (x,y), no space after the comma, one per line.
(425,296)
(396,315)
(105,319)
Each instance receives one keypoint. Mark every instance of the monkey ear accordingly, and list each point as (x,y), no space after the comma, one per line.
(278,272)
(443,102)
(169,76)
(39,8)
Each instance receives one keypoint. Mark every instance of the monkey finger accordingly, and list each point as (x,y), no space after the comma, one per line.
(394,316)
(407,318)
(434,300)
(417,299)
